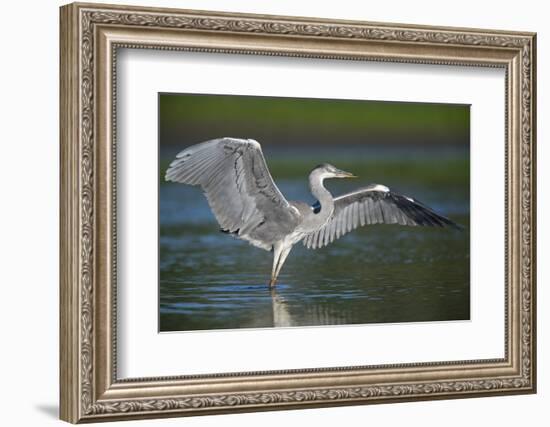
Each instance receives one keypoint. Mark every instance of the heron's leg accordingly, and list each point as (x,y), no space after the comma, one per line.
(280,257)
(277,249)
(276,254)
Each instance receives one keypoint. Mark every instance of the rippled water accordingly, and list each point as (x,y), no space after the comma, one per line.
(382,273)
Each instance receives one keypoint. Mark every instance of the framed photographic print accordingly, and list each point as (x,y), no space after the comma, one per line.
(222,290)
(265,212)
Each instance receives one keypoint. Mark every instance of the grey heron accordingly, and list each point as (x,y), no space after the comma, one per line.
(243,197)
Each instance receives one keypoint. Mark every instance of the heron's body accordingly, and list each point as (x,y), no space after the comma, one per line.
(246,202)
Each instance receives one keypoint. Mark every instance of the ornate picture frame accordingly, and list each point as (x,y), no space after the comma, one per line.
(90,37)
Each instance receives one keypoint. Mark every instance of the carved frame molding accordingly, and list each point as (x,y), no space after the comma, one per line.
(90,37)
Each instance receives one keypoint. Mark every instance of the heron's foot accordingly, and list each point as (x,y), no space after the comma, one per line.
(272,283)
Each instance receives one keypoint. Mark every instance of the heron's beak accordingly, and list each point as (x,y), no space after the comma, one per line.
(344,174)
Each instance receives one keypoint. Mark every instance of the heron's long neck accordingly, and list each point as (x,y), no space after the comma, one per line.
(323,195)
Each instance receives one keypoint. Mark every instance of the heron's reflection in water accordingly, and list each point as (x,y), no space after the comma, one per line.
(312,315)
(281,316)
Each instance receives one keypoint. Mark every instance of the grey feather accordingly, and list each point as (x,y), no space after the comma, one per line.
(374,205)
(239,188)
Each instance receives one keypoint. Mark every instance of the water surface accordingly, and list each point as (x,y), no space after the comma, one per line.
(375,274)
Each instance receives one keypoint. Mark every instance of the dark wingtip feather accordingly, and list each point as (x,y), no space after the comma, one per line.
(447,222)
(443,220)
(456,226)
(423,214)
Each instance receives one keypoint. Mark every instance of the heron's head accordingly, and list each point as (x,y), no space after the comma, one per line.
(326,170)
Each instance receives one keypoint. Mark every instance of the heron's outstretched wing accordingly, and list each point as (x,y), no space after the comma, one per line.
(240,191)
(374,204)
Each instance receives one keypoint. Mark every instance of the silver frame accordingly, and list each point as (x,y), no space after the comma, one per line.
(90,37)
